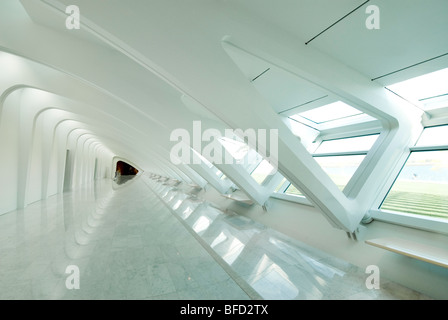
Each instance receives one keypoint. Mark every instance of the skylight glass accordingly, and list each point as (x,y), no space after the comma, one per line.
(300,130)
(361,143)
(433,136)
(333,111)
(280,185)
(429,91)
(242,153)
(263,170)
(292,190)
(237,149)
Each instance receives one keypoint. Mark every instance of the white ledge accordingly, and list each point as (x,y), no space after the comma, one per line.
(238,198)
(434,255)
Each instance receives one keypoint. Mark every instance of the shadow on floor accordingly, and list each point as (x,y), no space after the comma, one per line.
(121,179)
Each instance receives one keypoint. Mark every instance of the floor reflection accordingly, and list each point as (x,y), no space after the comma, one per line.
(275,266)
(161,242)
(122,179)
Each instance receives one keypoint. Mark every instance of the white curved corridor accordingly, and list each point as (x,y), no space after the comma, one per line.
(288,148)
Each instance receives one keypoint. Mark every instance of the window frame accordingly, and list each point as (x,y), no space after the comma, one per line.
(348,153)
(364,153)
(336,103)
(417,100)
(422,222)
(281,193)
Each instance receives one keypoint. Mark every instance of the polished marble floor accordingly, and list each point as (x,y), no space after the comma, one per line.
(144,239)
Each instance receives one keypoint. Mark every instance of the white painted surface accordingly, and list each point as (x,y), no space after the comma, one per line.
(119,87)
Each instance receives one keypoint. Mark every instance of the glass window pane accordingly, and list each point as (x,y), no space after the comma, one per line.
(340,168)
(422,186)
(241,153)
(430,90)
(237,149)
(433,136)
(363,143)
(293,191)
(436,102)
(305,133)
(329,112)
(263,170)
(280,185)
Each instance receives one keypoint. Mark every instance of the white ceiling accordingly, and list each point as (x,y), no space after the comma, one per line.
(163,61)
(410,31)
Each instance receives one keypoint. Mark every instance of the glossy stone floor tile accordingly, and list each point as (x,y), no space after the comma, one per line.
(146,240)
(267,264)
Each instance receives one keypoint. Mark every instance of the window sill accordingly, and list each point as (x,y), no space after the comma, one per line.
(291,198)
(437,225)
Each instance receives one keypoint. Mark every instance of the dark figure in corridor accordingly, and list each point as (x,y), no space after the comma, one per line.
(124,172)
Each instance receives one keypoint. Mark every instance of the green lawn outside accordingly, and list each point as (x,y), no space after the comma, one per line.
(417,197)
(414,197)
